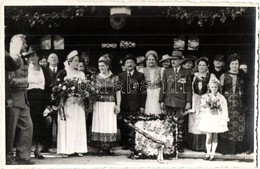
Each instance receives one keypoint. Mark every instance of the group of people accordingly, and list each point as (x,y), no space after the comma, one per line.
(211,105)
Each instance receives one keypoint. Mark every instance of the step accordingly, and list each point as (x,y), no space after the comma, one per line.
(186,154)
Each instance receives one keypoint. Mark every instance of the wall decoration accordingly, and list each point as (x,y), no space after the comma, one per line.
(179,43)
(46,42)
(193,43)
(58,42)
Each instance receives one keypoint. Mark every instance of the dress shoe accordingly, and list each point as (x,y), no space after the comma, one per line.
(39,156)
(110,153)
(248,152)
(206,157)
(25,162)
(181,150)
(65,155)
(211,158)
(80,154)
(100,153)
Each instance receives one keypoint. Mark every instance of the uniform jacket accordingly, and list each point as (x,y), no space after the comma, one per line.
(176,88)
(11,64)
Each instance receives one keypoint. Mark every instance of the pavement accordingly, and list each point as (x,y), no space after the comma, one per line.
(188,159)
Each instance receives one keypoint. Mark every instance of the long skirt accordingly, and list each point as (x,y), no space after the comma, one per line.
(195,139)
(152,105)
(104,125)
(72,132)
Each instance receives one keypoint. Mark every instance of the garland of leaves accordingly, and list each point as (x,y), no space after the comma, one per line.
(54,16)
(202,15)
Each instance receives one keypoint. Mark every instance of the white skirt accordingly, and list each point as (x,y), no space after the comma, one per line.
(152,105)
(72,133)
(104,118)
(212,123)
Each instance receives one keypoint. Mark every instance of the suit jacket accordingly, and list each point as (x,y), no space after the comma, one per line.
(133,93)
(52,74)
(18,81)
(176,88)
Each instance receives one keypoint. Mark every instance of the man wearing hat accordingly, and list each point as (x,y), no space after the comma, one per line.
(140,63)
(218,68)
(176,92)
(133,98)
(18,115)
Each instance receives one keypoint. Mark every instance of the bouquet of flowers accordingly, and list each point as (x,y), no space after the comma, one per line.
(78,88)
(214,104)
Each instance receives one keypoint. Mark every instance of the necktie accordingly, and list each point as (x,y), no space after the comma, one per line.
(175,70)
(54,71)
(129,74)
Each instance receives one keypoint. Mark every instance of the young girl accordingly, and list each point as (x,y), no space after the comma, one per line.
(214,118)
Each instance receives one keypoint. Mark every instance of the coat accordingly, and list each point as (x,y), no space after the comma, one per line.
(18,81)
(176,89)
(133,91)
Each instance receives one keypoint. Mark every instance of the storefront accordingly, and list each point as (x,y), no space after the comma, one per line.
(144,28)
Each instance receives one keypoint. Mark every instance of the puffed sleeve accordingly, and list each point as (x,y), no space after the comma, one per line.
(224,111)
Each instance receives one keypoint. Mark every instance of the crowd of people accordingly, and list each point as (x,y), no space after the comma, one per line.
(211,105)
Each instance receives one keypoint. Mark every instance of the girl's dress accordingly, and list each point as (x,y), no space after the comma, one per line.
(213,120)
(72,133)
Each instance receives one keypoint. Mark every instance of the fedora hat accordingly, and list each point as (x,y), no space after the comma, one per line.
(140,59)
(165,57)
(176,55)
(129,56)
(32,49)
(189,58)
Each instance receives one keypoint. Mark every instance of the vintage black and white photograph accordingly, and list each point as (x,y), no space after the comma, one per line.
(130,86)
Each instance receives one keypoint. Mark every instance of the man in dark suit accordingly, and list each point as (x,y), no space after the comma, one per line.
(53,61)
(19,114)
(133,96)
(175,95)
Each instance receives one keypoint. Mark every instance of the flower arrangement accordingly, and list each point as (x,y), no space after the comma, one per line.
(154,133)
(214,104)
(77,89)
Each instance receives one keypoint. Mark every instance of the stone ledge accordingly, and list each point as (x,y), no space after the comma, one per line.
(187,154)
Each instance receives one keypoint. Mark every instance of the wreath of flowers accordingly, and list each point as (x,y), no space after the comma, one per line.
(148,128)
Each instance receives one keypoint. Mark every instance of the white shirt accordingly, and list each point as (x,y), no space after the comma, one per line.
(51,67)
(131,73)
(177,69)
(36,78)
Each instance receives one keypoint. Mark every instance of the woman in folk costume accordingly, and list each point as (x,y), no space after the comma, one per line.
(233,87)
(105,109)
(153,75)
(72,132)
(214,117)
(200,81)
